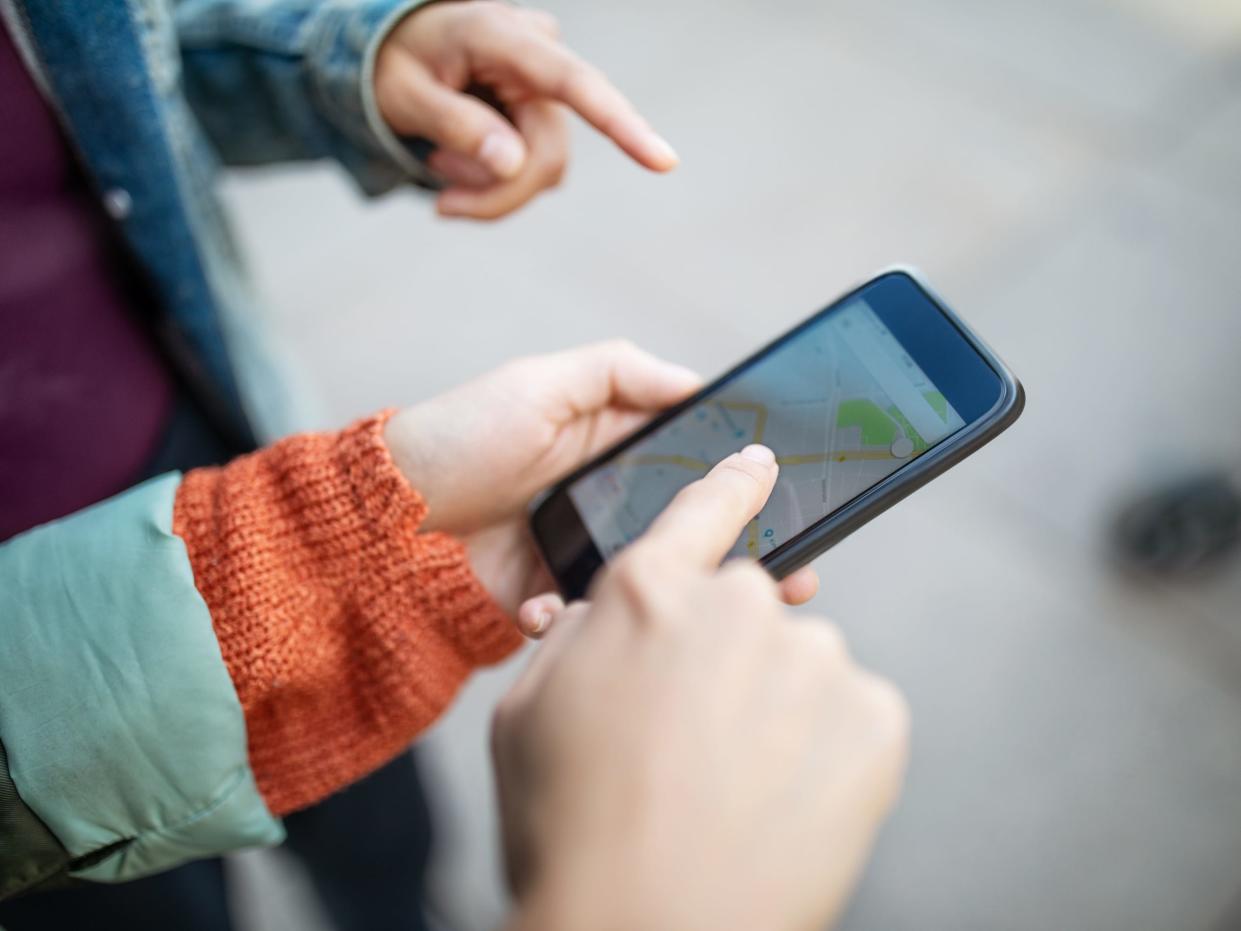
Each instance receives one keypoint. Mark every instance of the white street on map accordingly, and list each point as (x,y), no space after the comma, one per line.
(841,404)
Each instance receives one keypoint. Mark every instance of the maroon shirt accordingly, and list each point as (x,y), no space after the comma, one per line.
(84,395)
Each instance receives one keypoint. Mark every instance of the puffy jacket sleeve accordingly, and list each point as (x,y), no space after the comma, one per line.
(124,739)
(188,661)
(276,80)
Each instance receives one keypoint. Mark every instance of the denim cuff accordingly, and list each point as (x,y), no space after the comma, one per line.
(341,65)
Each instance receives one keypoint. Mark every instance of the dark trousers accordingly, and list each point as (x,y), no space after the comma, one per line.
(365,848)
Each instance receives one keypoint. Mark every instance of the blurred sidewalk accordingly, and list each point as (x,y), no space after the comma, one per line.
(1068,172)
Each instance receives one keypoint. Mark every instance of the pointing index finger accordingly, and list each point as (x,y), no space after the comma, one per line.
(552,70)
(705,519)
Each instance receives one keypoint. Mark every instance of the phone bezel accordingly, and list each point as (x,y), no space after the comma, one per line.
(575,562)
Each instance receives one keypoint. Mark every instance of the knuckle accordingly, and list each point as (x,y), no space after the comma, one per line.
(516,370)
(619,346)
(625,565)
(826,642)
(692,496)
(884,747)
(551,24)
(638,578)
(746,600)
(551,173)
(576,81)
(442,117)
(457,136)
(888,709)
(744,478)
(546,22)
(489,212)
(614,353)
(748,581)
(631,569)
(490,9)
(390,83)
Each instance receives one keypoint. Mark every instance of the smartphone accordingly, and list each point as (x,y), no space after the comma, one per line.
(864,402)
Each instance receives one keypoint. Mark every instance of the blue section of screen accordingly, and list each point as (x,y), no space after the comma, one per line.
(934,343)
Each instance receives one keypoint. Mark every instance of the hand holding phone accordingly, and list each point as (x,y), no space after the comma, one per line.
(762,757)
(478,453)
(863,403)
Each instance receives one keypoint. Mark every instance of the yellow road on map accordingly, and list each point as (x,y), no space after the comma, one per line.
(698,465)
(760,427)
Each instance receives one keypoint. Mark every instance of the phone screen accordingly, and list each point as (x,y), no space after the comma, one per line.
(840,402)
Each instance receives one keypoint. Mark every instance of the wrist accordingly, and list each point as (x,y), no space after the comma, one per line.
(378,132)
(410,445)
(395,42)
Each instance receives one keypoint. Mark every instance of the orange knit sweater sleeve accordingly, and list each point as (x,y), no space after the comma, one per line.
(345,630)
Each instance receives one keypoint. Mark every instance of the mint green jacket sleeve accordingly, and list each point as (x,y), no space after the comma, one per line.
(275,80)
(123,737)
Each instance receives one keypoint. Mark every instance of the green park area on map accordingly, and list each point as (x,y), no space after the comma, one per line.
(821,403)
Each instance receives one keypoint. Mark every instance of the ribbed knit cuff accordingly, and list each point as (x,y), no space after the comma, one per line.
(345,630)
(469,617)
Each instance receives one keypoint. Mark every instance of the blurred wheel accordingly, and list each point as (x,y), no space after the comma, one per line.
(1179,528)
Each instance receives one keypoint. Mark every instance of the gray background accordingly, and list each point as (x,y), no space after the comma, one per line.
(1068,172)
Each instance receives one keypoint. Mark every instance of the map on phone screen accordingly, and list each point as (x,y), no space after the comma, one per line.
(840,403)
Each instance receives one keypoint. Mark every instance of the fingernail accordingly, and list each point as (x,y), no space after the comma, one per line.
(502,154)
(760,454)
(662,151)
(542,617)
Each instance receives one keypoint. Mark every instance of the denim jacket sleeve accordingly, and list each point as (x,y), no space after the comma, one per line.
(122,740)
(275,80)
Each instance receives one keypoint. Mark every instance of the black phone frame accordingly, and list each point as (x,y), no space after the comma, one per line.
(555,507)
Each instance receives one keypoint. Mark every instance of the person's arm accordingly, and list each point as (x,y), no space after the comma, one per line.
(189,661)
(346,628)
(359,80)
(293,80)
(124,744)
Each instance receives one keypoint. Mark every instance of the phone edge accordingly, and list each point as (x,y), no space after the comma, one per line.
(818,539)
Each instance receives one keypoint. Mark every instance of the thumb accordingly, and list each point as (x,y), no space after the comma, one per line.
(416,103)
(536,614)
